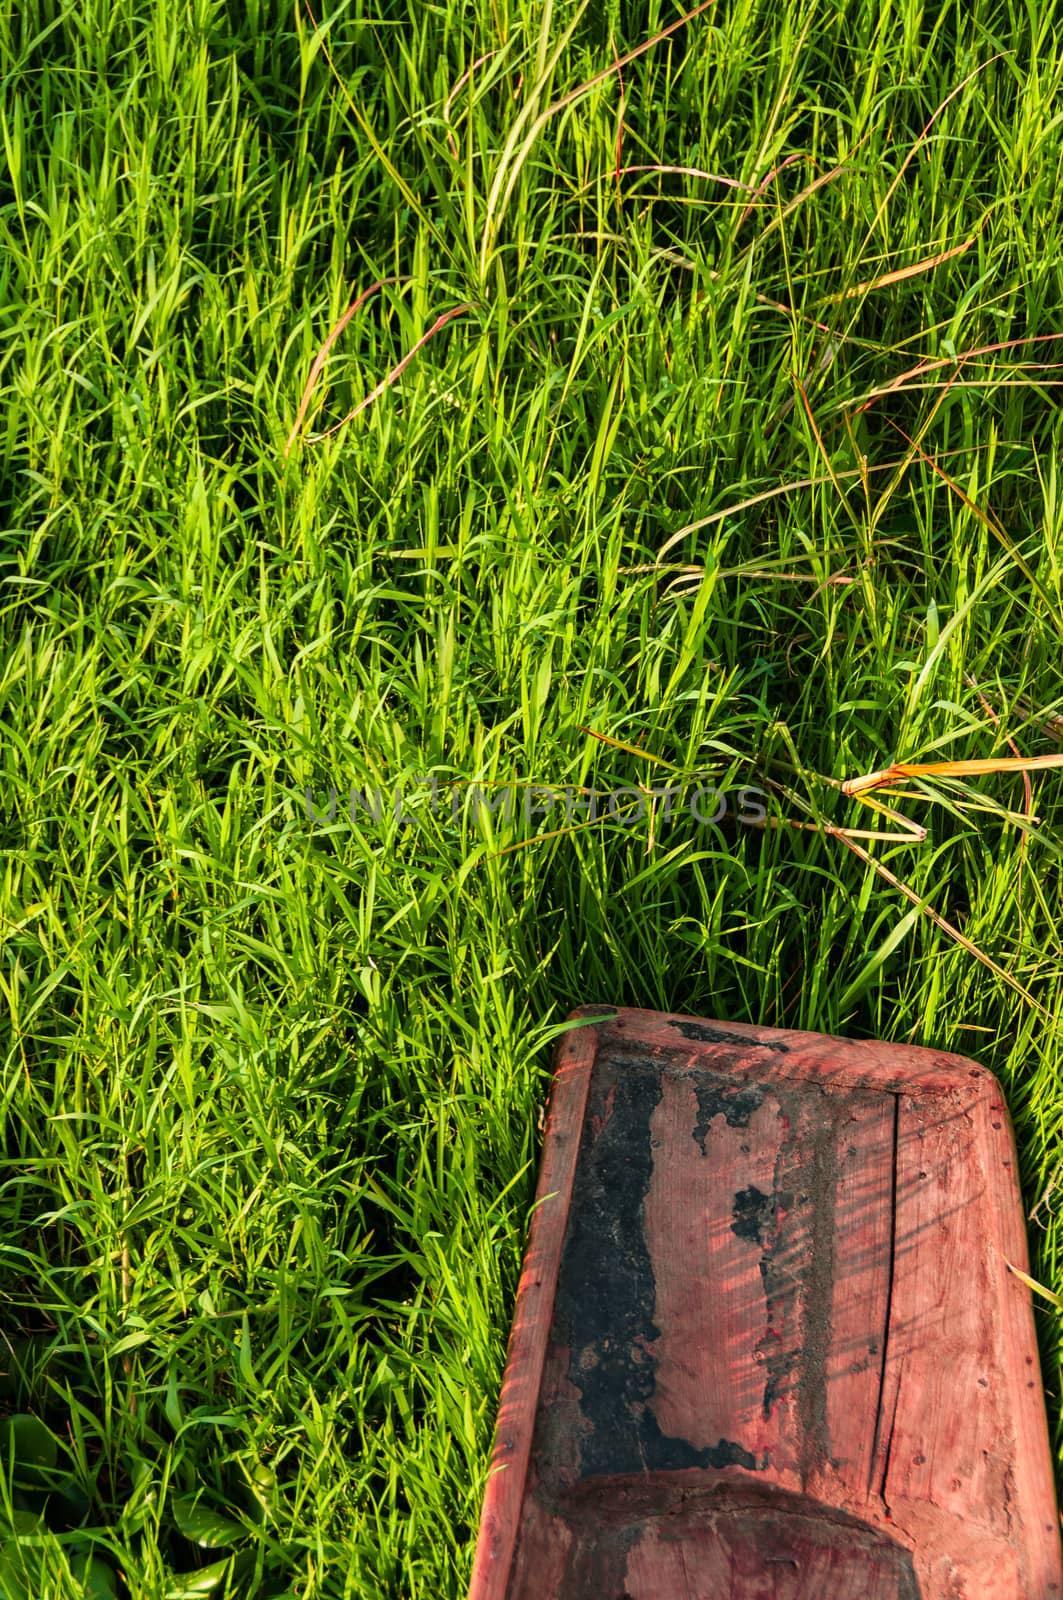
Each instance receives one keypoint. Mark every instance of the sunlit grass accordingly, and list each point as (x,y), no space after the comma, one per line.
(703,469)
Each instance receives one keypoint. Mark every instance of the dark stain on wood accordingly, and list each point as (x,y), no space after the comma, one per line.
(755,1216)
(712,1033)
(717,1099)
(814,1355)
(606,1292)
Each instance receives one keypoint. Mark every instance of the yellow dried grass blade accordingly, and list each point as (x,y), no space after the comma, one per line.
(1032,1283)
(633,750)
(948,769)
(901,273)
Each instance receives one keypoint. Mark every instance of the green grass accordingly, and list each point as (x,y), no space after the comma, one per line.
(271,1084)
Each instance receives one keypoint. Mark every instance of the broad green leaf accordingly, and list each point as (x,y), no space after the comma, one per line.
(202,1525)
(29,1445)
(204,1581)
(99,1581)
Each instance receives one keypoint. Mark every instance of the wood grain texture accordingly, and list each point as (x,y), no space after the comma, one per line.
(766,1343)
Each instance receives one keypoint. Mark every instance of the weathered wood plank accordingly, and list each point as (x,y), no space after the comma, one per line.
(766,1342)
(531,1323)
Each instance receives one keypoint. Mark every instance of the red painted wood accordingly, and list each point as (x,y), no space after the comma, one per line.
(766,1345)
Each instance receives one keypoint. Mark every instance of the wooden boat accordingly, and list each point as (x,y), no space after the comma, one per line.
(767,1342)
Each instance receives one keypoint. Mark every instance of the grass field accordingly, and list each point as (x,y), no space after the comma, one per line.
(724,452)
